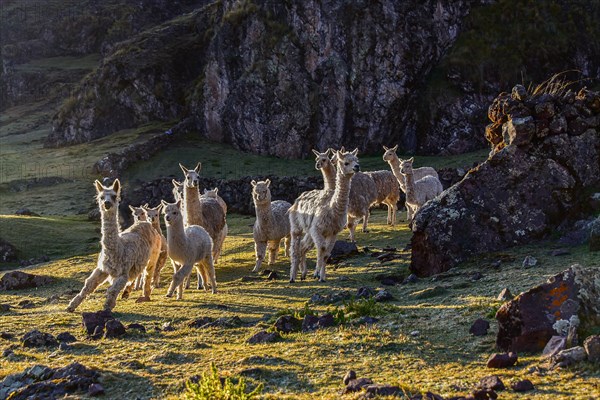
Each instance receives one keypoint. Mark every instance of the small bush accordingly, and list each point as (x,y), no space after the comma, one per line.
(362,308)
(211,387)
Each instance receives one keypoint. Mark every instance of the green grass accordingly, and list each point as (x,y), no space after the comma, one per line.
(88,62)
(442,357)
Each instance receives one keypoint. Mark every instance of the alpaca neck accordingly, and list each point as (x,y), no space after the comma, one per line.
(395,166)
(110,229)
(264,213)
(410,187)
(192,205)
(339,201)
(156,226)
(175,235)
(329,176)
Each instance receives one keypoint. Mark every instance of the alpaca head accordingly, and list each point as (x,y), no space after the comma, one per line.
(192,177)
(211,193)
(138,213)
(322,159)
(390,154)
(172,212)
(177,189)
(406,166)
(260,191)
(347,162)
(152,214)
(108,197)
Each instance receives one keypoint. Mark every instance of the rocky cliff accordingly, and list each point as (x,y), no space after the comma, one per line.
(273,77)
(543,169)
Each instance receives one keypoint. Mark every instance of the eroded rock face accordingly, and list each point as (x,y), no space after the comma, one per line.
(541,167)
(526,323)
(273,78)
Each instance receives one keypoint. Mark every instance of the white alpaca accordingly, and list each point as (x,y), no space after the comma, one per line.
(418,173)
(325,165)
(203,211)
(214,194)
(388,192)
(421,191)
(272,223)
(124,255)
(187,246)
(152,215)
(317,217)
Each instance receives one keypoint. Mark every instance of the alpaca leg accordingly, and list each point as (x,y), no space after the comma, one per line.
(113,291)
(295,255)
(389,215)
(273,249)
(351,227)
(394,210)
(287,241)
(178,278)
(162,260)
(366,221)
(188,280)
(138,283)
(149,271)
(329,243)
(91,283)
(260,249)
(305,245)
(321,244)
(202,276)
(210,269)
(218,243)
(127,291)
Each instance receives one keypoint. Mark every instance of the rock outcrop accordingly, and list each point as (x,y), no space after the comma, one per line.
(526,323)
(545,160)
(273,78)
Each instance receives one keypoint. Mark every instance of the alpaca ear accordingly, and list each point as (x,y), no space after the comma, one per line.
(355,151)
(184,169)
(98,186)
(116,186)
(268,182)
(385,148)
(178,204)
(176,183)
(216,190)
(198,167)
(316,153)
(205,191)
(146,205)
(395,148)
(342,150)
(132,208)
(163,203)
(253,183)
(411,159)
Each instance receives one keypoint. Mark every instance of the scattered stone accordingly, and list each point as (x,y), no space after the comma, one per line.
(4,307)
(505,295)
(475,276)
(272,276)
(133,364)
(496,264)
(6,335)
(250,278)
(95,390)
(499,360)
(492,382)
(66,337)
(342,249)
(364,293)
(326,320)
(136,327)
(264,337)
(385,257)
(92,320)
(383,390)
(34,261)
(167,327)
(356,385)
(36,338)
(429,292)
(310,323)
(26,212)
(98,333)
(480,327)
(568,357)
(8,252)
(350,375)
(483,394)
(592,348)
(336,297)
(26,304)
(114,329)
(529,262)
(560,252)
(382,296)
(288,324)
(64,346)
(415,333)
(524,385)
(201,322)
(6,353)
(365,320)
(16,280)
(412,278)
(555,345)
(428,396)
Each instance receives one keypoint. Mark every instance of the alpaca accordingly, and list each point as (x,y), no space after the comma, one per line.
(317,216)
(324,163)
(421,191)
(392,159)
(214,194)
(272,223)
(203,211)
(388,192)
(152,215)
(187,247)
(138,215)
(124,255)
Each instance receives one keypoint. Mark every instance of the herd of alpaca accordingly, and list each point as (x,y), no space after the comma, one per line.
(197,226)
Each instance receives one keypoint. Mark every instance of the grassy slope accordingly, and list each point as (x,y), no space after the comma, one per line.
(443,358)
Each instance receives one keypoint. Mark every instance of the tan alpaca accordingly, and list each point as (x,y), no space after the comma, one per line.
(272,223)
(188,246)
(388,192)
(324,163)
(214,194)
(418,173)
(317,217)
(124,255)
(203,211)
(138,215)
(152,215)
(421,191)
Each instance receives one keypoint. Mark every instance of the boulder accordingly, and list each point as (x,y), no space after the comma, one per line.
(288,324)
(568,357)
(502,360)
(93,320)
(66,337)
(349,376)
(8,252)
(592,348)
(555,345)
(342,249)
(383,390)
(357,384)
(492,382)
(492,208)
(264,337)
(480,327)
(526,322)
(524,385)
(36,338)
(16,280)
(114,329)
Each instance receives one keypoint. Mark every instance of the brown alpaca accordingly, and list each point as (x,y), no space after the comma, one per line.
(203,211)
(124,255)
(317,217)
(272,223)
(152,215)
(388,192)
(214,194)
